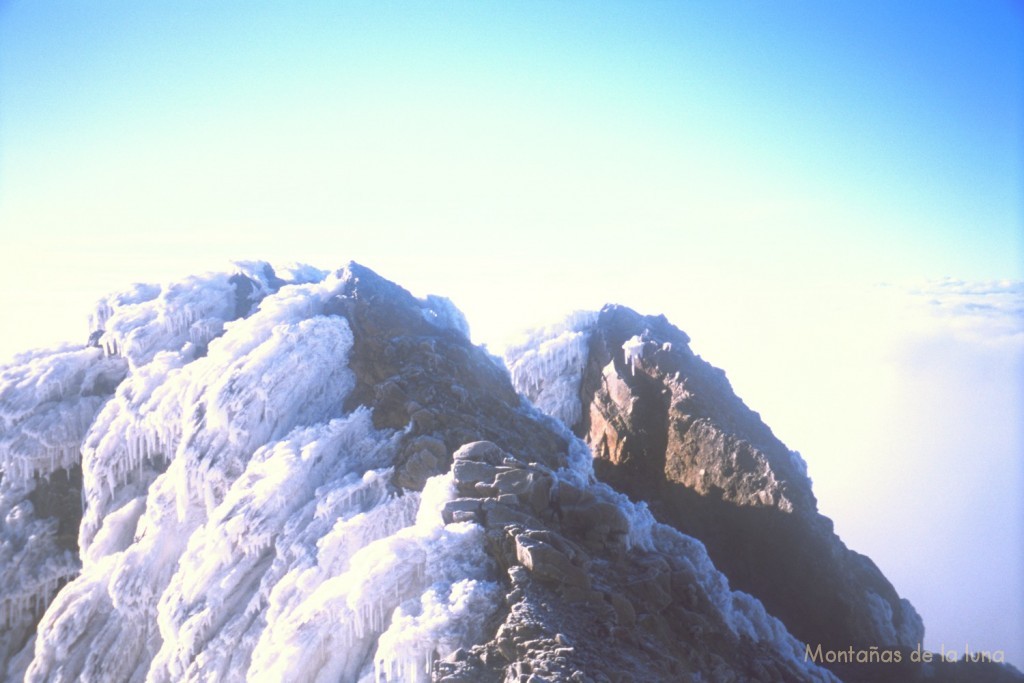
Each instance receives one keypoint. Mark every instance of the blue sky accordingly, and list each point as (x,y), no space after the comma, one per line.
(873,139)
(752,170)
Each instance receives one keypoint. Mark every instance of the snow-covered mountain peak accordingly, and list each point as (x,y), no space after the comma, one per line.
(298,475)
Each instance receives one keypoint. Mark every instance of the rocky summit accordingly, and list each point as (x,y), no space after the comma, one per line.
(302,475)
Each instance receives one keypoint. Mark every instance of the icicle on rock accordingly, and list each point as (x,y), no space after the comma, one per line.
(548,366)
(634,351)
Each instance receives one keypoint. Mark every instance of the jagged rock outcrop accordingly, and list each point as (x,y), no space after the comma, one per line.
(666,428)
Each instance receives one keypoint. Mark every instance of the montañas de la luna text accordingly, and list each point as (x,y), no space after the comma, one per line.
(876,655)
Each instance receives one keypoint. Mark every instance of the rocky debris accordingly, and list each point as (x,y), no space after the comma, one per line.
(580,607)
(666,428)
(421,458)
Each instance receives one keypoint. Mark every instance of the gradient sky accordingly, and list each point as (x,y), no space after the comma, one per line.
(753,170)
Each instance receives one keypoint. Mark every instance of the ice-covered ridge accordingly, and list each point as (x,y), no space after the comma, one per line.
(47,403)
(548,366)
(294,517)
(235,512)
(254,382)
(376,602)
(48,400)
(145,319)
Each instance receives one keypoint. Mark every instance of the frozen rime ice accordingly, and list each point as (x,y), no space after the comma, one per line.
(634,351)
(393,600)
(547,366)
(238,523)
(47,402)
(139,322)
(48,399)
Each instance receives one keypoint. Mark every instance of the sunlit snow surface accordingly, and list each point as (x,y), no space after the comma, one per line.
(239,524)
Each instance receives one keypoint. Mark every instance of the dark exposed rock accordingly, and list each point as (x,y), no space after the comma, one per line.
(547,562)
(420,460)
(60,496)
(562,551)
(415,367)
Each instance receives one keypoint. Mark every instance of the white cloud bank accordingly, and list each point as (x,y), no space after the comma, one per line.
(908,403)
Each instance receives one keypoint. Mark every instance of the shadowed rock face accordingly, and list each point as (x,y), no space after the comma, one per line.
(667,428)
(60,496)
